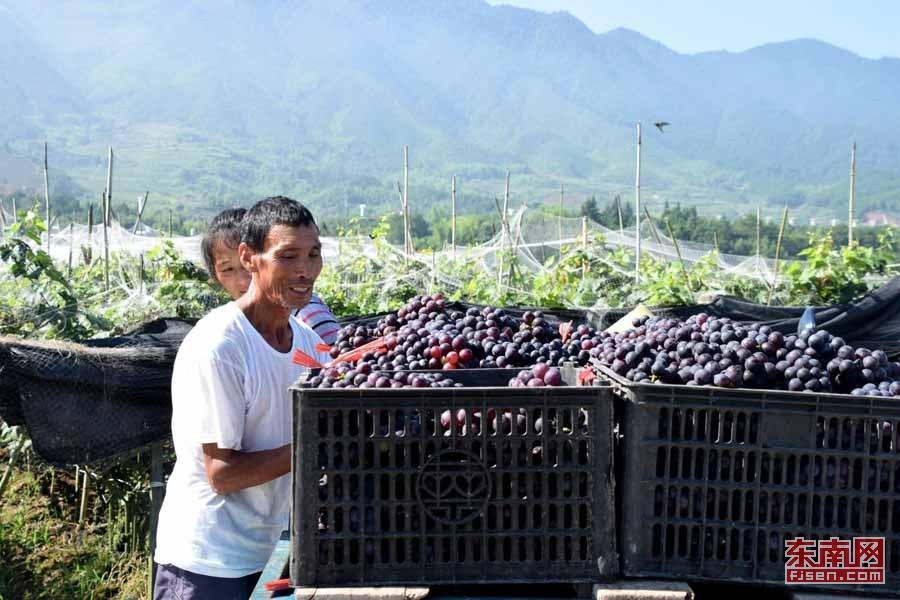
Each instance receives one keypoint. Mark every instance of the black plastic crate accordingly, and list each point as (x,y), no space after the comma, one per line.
(384,493)
(713,481)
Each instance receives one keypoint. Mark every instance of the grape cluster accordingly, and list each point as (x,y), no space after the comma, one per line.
(344,375)
(704,350)
(431,334)
(886,389)
(539,375)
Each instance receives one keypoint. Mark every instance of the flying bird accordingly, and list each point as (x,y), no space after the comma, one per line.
(661,124)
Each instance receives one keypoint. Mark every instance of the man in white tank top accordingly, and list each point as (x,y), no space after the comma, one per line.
(229,492)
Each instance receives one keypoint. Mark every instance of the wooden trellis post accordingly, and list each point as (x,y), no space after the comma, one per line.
(82,507)
(105,217)
(684,270)
(71,248)
(777,252)
(108,202)
(562,193)
(852,195)
(453,218)
(621,220)
(406,226)
(157,494)
(653,227)
(758,242)
(584,244)
(138,222)
(637,210)
(47,194)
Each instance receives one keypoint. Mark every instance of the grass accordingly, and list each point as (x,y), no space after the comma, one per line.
(45,554)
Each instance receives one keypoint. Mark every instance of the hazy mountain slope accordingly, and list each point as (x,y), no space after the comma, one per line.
(233,99)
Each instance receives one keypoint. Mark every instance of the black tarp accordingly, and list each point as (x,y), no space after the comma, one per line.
(88,402)
(872,322)
(83,403)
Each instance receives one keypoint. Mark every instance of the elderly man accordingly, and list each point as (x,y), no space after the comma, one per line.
(229,492)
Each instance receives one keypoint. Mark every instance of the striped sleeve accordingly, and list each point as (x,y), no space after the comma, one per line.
(320,319)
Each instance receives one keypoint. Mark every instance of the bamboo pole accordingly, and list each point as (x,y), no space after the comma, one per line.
(138,222)
(453,217)
(637,210)
(105,214)
(621,220)
(47,194)
(2,220)
(405,226)
(71,248)
(157,494)
(13,458)
(653,227)
(506,204)
(170,222)
(716,250)
(758,240)
(584,236)
(126,517)
(504,229)
(584,232)
(784,216)
(687,278)
(852,194)
(82,508)
(433,271)
(110,524)
(562,193)
(106,222)
(109,179)
(500,252)
(89,257)
(406,199)
(15,211)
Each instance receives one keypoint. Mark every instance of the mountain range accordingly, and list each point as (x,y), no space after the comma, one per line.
(211,104)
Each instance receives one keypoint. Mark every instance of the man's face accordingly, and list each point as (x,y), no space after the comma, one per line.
(286,269)
(230,273)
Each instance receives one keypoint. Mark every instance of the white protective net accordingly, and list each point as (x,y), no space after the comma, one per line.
(532,235)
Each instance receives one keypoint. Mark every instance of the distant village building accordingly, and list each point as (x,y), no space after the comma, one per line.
(877,217)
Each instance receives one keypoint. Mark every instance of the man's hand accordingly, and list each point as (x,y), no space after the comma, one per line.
(230,471)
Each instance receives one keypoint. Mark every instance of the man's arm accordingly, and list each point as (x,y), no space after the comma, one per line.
(230,471)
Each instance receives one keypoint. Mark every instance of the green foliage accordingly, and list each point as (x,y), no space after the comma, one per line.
(736,234)
(368,276)
(832,275)
(46,554)
(584,276)
(37,295)
(183,289)
(40,300)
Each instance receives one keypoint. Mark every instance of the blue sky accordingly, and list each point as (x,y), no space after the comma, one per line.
(866,27)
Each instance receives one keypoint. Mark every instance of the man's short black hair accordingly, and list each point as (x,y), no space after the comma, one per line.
(225,228)
(266,214)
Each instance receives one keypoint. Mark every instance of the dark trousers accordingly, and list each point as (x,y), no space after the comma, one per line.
(173,583)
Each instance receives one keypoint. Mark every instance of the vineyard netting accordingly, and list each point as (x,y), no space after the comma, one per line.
(532,236)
